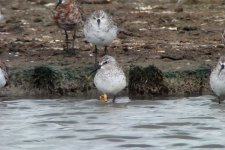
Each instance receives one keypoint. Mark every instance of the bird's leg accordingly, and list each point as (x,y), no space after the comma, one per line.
(96,55)
(219,99)
(67,41)
(74,37)
(114,99)
(106,50)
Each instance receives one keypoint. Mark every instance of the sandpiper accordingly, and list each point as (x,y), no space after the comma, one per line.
(100,30)
(68,16)
(110,78)
(3,74)
(223,37)
(217,79)
(2,18)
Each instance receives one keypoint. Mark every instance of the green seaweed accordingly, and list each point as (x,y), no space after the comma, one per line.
(188,82)
(45,77)
(146,81)
(201,72)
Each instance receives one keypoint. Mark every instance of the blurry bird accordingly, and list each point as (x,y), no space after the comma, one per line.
(3,74)
(223,37)
(100,30)
(2,18)
(68,16)
(217,79)
(110,78)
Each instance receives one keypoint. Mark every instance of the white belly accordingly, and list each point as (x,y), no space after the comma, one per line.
(110,84)
(217,85)
(2,79)
(99,37)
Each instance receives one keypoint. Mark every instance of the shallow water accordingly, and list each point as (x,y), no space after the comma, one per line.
(187,123)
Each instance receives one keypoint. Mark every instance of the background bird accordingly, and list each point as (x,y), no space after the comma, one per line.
(217,79)
(2,18)
(68,16)
(100,30)
(110,78)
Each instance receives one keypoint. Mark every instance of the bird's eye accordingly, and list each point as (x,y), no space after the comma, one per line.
(105,62)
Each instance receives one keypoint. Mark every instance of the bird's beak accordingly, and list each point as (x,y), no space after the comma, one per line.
(97,67)
(98,21)
(57,5)
(222,67)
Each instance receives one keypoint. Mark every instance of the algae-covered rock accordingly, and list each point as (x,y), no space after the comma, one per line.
(144,82)
(188,82)
(54,80)
(147,82)
(37,80)
(150,81)
(44,77)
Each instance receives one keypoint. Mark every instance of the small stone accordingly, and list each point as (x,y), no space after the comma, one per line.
(187,1)
(220,46)
(187,28)
(96,1)
(36,20)
(179,9)
(41,2)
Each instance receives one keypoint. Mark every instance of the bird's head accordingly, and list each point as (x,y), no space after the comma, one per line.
(100,17)
(108,60)
(221,64)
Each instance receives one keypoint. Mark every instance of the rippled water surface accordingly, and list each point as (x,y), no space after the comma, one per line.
(69,124)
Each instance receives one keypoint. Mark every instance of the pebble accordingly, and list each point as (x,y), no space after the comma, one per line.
(96,1)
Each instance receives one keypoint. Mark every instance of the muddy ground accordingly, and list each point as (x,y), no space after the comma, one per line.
(169,35)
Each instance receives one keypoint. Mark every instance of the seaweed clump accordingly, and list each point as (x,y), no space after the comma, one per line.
(188,82)
(44,77)
(147,82)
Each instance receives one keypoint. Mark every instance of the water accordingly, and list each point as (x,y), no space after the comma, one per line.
(187,123)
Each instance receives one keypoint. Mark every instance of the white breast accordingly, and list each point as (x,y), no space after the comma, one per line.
(2,79)
(100,36)
(110,82)
(217,83)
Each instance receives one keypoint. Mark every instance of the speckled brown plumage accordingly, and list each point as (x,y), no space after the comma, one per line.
(68,16)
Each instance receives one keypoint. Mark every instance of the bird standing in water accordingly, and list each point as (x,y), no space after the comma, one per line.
(100,30)
(217,79)
(110,78)
(68,16)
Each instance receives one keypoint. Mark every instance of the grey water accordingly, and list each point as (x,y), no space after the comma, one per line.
(71,124)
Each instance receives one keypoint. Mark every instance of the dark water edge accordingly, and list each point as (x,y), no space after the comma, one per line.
(143,82)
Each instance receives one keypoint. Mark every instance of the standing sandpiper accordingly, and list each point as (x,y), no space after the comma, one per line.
(68,16)
(110,78)
(223,37)
(2,18)
(3,74)
(217,79)
(100,30)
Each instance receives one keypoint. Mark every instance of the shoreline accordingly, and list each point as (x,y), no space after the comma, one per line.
(182,40)
(143,82)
